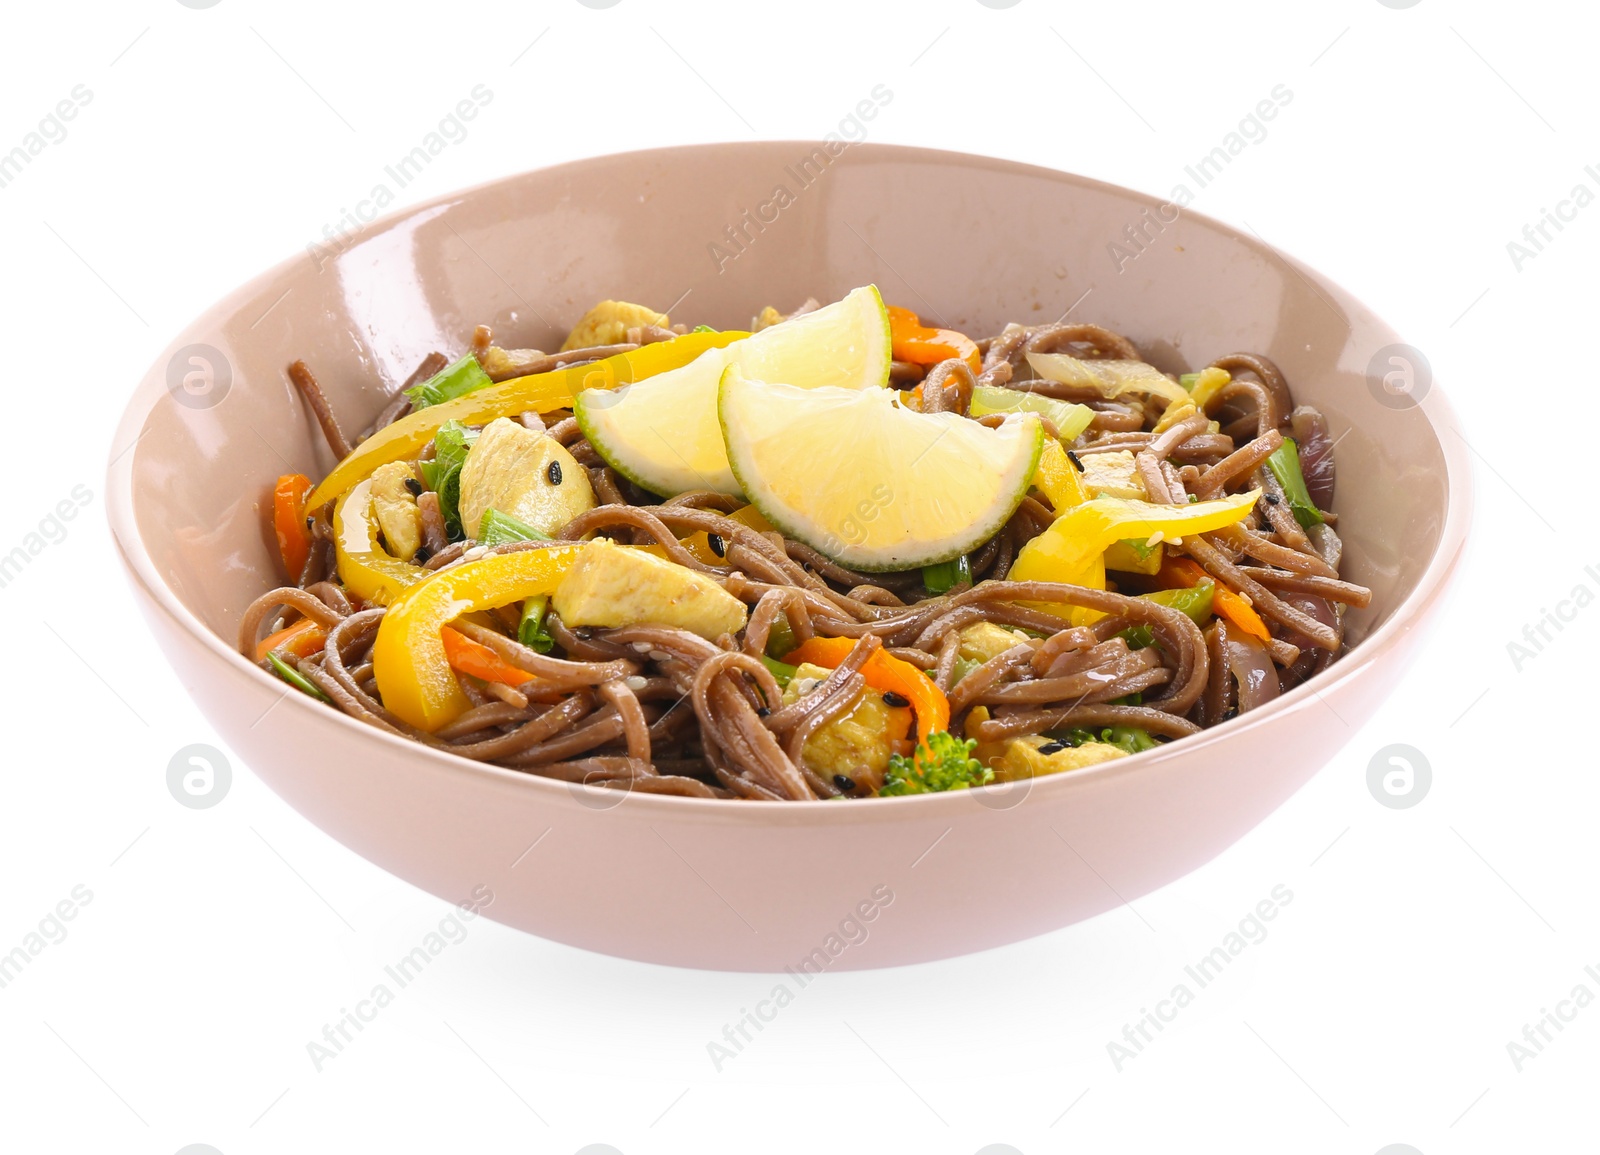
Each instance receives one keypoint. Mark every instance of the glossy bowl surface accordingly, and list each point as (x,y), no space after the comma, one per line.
(715,232)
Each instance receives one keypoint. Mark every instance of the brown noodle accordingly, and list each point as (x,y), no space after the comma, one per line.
(658,709)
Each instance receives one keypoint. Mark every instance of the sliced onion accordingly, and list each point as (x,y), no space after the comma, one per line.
(1110,379)
(1251,667)
(1320,608)
(1327,542)
(1311,435)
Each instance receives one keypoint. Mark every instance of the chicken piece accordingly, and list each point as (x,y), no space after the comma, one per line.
(395,507)
(611,585)
(1024,757)
(858,742)
(524,474)
(984,640)
(1113,475)
(608,324)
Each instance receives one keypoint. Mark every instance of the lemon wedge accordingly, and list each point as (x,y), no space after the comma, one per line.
(867,482)
(662,433)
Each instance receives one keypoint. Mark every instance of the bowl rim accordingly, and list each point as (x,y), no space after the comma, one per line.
(1431,588)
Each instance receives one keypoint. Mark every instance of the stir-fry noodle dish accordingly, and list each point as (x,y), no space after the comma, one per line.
(847,554)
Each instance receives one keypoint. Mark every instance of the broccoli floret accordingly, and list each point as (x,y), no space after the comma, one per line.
(943,762)
(1128,738)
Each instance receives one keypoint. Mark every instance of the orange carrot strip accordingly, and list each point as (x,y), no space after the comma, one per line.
(480,661)
(289,522)
(884,672)
(1184,572)
(302,639)
(915,342)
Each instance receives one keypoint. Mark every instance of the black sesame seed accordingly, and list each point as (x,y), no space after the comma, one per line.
(1073,457)
(844,782)
(308,524)
(414,486)
(422,555)
(1233,712)
(763,712)
(718,546)
(890,698)
(1272,499)
(554,473)
(1052,747)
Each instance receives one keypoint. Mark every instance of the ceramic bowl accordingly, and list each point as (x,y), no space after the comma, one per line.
(716,232)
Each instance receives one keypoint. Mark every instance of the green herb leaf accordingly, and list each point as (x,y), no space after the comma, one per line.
(781,639)
(780,670)
(449,491)
(454,380)
(963,667)
(531,630)
(442,474)
(496,528)
(1138,637)
(1194,601)
(1285,466)
(452,443)
(1141,547)
(294,677)
(945,576)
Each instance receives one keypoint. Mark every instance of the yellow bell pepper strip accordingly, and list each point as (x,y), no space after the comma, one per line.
(1207,384)
(479,660)
(1062,482)
(1085,531)
(704,549)
(913,341)
(1182,573)
(366,571)
(1132,556)
(289,522)
(302,639)
(751,516)
(409,659)
(540,391)
(1073,549)
(1058,479)
(884,672)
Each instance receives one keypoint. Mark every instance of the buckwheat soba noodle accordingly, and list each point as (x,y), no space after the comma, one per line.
(849,554)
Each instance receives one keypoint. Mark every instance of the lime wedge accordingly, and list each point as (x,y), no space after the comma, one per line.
(871,484)
(662,433)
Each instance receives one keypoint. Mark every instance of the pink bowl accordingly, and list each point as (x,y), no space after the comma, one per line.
(730,885)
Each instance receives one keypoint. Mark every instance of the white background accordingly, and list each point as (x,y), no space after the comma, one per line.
(218,942)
